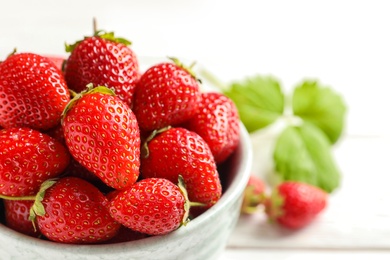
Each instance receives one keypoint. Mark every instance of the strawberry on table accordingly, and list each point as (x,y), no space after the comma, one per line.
(74,211)
(153,206)
(217,122)
(102,134)
(295,204)
(166,94)
(178,151)
(28,158)
(33,92)
(103,60)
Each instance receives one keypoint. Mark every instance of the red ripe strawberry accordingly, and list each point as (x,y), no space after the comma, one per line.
(153,206)
(178,151)
(28,158)
(17,214)
(33,92)
(102,134)
(166,94)
(217,122)
(103,60)
(254,195)
(295,204)
(74,211)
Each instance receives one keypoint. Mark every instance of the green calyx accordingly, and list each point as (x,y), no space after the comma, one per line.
(38,209)
(251,200)
(110,36)
(188,204)
(145,148)
(89,90)
(274,205)
(189,69)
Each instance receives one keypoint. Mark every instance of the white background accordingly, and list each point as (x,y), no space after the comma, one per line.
(343,44)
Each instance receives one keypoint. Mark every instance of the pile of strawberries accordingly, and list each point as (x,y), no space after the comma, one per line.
(92,150)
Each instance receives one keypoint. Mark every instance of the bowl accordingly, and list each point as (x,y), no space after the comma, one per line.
(205,237)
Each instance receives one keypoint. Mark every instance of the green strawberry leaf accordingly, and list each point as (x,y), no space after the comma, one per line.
(303,153)
(259,101)
(320,106)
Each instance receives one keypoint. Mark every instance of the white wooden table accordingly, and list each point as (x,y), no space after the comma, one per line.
(355,223)
(344,44)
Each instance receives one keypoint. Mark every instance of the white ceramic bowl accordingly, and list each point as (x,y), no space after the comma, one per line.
(205,237)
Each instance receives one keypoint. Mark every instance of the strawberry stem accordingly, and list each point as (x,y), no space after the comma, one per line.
(189,69)
(12,53)
(72,93)
(197,204)
(94,25)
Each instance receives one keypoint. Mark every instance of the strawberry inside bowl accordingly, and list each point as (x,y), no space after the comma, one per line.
(202,235)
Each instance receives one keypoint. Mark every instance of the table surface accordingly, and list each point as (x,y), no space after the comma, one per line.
(344,44)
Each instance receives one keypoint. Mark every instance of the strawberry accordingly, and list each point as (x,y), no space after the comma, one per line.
(254,195)
(73,211)
(295,204)
(217,122)
(17,214)
(28,158)
(102,134)
(153,206)
(103,60)
(33,92)
(178,151)
(166,94)
(74,168)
